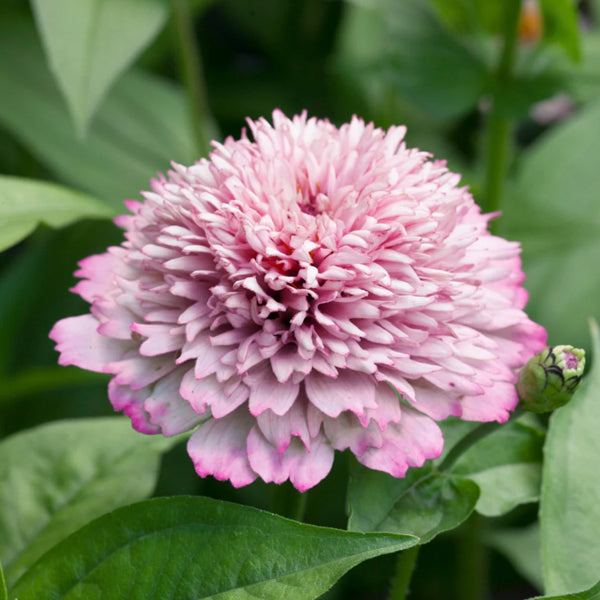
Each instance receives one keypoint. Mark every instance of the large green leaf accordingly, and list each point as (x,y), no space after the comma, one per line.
(592,594)
(582,80)
(89,43)
(569,508)
(506,465)
(412,51)
(57,477)
(522,548)
(25,203)
(553,211)
(424,503)
(140,128)
(188,548)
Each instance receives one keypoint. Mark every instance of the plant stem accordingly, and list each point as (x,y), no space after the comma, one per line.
(299,509)
(472,568)
(192,73)
(405,566)
(471,438)
(288,502)
(499,128)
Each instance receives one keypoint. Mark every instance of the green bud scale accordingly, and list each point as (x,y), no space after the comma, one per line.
(550,377)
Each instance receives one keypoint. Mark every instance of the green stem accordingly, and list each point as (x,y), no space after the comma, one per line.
(288,502)
(499,128)
(405,567)
(192,73)
(3,594)
(472,438)
(472,568)
(299,509)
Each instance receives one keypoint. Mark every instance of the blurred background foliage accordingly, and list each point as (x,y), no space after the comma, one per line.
(100,96)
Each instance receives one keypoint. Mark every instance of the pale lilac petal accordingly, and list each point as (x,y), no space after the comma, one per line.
(303,467)
(218,448)
(435,402)
(388,407)
(200,393)
(229,399)
(167,409)
(138,372)
(350,391)
(347,432)
(98,272)
(208,392)
(266,393)
(79,343)
(278,430)
(494,404)
(409,443)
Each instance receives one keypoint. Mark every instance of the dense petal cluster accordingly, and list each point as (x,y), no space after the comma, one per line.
(310,290)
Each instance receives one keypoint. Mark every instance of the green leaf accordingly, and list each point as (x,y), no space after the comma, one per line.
(433,67)
(569,507)
(553,211)
(583,79)
(89,43)
(592,594)
(471,16)
(411,51)
(522,548)
(504,487)
(506,465)
(424,503)
(57,477)
(25,203)
(561,25)
(189,548)
(140,128)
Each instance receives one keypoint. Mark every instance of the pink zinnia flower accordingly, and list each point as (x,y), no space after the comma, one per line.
(282,295)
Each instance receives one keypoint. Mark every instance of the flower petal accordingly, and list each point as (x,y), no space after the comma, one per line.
(131,402)
(303,467)
(167,409)
(79,343)
(406,444)
(218,448)
(350,391)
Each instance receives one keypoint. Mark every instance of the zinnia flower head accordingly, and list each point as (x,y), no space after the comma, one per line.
(312,290)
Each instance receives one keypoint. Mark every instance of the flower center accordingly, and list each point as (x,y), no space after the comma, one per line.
(571,361)
(311,203)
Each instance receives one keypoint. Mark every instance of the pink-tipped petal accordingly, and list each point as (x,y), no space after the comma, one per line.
(406,444)
(218,448)
(303,467)
(131,402)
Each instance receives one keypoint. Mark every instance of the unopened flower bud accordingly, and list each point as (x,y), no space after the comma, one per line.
(550,377)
